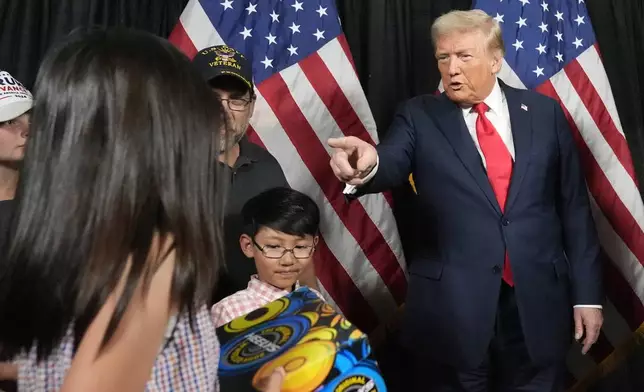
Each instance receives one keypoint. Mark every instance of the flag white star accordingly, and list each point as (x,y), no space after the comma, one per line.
(227,4)
(498,18)
(298,6)
(521,22)
(541,49)
(543,27)
(538,71)
(275,16)
(577,42)
(318,34)
(524,2)
(581,1)
(579,20)
(559,57)
(544,5)
(251,8)
(267,62)
(292,50)
(518,44)
(294,28)
(559,15)
(559,36)
(271,39)
(246,33)
(322,11)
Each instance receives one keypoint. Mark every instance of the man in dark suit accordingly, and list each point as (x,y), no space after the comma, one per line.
(510,255)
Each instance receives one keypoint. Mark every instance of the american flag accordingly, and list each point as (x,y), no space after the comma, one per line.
(307,91)
(551,48)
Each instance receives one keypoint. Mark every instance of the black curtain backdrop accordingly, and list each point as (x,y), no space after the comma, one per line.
(29,27)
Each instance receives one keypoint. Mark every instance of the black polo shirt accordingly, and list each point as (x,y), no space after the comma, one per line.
(255,171)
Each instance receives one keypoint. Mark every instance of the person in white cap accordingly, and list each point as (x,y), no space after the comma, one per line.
(15,104)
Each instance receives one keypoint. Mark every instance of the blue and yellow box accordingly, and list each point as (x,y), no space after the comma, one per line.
(319,349)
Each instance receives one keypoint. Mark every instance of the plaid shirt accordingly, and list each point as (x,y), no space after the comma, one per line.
(256,295)
(187,362)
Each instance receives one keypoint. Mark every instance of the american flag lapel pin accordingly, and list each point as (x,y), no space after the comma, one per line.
(524,107)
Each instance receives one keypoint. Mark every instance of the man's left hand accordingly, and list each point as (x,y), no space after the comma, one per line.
(588,322)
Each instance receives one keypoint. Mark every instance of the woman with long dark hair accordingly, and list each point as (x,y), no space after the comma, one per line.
(115,242)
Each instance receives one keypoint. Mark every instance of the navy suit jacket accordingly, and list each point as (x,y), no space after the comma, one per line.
(546,228)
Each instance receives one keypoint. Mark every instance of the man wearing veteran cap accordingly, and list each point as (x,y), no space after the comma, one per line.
(251,168)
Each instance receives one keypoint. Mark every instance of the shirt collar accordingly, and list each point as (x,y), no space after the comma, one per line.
(494,101)
(266,291)
(248,150)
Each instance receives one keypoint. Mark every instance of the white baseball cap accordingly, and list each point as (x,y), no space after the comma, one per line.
(15,99)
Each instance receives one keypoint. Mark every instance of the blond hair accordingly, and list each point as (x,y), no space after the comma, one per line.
(468,21)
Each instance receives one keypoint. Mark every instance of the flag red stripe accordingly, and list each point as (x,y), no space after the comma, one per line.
(254,137)
(333,97)
(344,292)
(353,215)
(179,37)
(621,294)
(342,39)
(593,102)
(599,53)
(612,206)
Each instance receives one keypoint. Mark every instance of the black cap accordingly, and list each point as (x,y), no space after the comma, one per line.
(223,60)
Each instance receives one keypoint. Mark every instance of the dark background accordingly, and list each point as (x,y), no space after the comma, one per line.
(389,40)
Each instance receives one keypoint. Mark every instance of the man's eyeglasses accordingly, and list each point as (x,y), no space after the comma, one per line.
(237,104)
(277,252)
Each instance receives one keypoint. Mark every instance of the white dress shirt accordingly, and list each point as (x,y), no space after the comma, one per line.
(499,116)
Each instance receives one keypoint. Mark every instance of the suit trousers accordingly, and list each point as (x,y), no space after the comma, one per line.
(507,367)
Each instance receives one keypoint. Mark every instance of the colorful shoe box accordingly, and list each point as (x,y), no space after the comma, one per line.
(319,349)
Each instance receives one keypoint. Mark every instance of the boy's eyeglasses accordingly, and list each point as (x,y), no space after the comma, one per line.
(277,252)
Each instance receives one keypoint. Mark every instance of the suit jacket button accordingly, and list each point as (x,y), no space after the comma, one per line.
(496,269)
(505,222)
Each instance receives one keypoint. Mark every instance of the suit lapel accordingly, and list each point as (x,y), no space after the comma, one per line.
(452,124)
(521,123)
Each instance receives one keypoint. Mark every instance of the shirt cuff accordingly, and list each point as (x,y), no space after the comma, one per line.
(351,189)
(588,306)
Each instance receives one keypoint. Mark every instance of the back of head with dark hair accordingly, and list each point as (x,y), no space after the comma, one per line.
(281,209)
(122,149)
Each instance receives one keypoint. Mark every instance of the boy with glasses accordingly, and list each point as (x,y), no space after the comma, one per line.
(280,235)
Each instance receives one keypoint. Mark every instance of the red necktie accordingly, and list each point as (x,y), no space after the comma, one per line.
(499,166)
